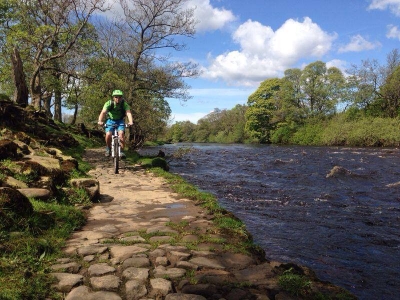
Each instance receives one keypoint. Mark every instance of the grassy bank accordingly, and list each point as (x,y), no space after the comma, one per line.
(341,131)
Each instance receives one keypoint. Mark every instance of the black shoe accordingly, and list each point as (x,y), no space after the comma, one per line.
(122,154)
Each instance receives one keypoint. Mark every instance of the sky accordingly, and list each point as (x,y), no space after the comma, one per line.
(238,44)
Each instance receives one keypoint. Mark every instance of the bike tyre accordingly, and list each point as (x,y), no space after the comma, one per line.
(116,157)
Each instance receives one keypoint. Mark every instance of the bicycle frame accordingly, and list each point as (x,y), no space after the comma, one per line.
(115,147)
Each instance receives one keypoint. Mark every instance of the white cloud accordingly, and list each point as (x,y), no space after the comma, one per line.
(264,53)
(392,5)
(340,64)
(192,117)
(210,18)
(393,32)
(358,44)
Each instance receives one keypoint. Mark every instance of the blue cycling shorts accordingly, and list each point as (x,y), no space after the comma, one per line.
(110,125)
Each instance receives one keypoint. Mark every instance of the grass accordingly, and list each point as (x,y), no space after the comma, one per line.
(27,252)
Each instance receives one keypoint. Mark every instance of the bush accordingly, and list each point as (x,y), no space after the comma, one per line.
(283,134)
(309,134)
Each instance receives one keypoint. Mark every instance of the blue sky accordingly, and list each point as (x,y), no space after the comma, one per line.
(238,44)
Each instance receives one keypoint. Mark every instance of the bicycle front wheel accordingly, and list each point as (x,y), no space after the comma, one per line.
(116,157)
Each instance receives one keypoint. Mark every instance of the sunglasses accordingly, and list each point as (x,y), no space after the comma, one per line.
(117,96)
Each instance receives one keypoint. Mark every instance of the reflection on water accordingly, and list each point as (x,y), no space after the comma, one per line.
(345,227)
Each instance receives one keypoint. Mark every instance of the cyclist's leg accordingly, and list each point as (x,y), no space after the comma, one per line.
(109,131)
(121,133)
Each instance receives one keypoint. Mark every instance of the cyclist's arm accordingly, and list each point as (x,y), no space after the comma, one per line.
(102,117)
(129,115)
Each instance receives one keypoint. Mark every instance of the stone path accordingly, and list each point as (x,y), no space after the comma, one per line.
(144,242)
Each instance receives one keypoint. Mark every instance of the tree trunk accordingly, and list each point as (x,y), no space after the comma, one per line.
(36,91)
(57,106)
(47,104)
(21,93)
(75,115)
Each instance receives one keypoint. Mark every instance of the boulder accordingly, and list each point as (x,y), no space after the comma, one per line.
(13,205)
(92,187)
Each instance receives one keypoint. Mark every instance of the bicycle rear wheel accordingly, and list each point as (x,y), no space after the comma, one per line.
(116,157)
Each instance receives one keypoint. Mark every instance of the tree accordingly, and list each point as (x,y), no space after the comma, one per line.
(151,26)
(21,90)
(261,109)
(45,31)
(390,94)
(322,88)
(135,58)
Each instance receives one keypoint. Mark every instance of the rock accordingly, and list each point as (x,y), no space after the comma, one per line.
(338,171)
(173,273)
(135,289)
(13,201)
(8,149)
(138,262)
(83,292)
(92,249)
(37,193)
(120,253)
(92,187)
(70,267)
(184,297)
(207,262)
(236,260)
(67,281)
(206,290)
(14,183)
(100,269)
(107,283)
(160,287)
(139,274)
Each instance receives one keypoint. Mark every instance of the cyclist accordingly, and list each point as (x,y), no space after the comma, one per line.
(116,109)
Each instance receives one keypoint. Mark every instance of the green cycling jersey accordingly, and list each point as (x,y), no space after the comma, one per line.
(116,111)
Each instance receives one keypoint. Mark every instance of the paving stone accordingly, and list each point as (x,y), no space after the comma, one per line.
(140,274)
(160,287)
(100,269)
(71,267)
(67,281)
(161,261)
(138,262)
(135,289)
(184,297)
(207,262)
(205,290)
(133,239)
(173,273)
(157,252)
(93,249)
(163,239)
(120,253)
(186,265)
(108,283)
(83,292)
(89,258)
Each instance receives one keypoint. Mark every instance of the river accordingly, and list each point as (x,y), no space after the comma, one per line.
(345,228)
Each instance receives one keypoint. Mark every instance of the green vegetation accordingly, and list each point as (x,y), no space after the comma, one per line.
(32,246)
(295,284)
(314,106)
(39,53)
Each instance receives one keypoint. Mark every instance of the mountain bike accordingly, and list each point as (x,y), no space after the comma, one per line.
(115,147)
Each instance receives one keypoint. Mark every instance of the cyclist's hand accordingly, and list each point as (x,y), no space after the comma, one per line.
(130,124)
(100,123)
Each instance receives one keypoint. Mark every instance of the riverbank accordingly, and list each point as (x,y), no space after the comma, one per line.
(143,241)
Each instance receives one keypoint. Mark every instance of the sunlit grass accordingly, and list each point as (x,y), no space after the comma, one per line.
(26,254)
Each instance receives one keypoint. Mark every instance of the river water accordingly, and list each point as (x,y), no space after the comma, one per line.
(345,228)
